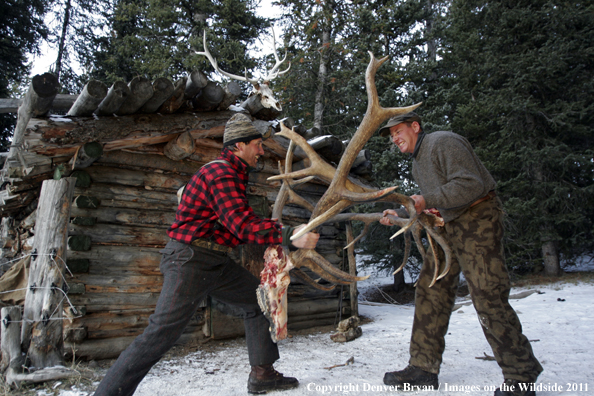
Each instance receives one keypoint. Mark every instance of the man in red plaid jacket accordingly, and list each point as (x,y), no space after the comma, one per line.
(213,216)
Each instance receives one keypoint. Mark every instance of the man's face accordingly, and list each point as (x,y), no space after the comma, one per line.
(250,151)
(405,136)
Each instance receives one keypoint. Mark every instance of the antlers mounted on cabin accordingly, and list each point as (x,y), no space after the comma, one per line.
(344,192)
(260,87)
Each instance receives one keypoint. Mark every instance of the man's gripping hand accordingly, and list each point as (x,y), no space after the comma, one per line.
(307,241)
(384,220)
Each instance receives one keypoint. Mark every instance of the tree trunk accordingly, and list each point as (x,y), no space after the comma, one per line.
(549,249)
(232,92)
(195,83)
(61,45)
(322,78)
(41,333)
(398,281)
(354,293)
(550,256)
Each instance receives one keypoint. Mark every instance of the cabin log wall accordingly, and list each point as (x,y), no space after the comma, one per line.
(121,282)
(126,199)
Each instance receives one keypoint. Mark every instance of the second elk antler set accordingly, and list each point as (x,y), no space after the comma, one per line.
(342,193)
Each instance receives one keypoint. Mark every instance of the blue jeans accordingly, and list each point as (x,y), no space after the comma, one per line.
(190,274)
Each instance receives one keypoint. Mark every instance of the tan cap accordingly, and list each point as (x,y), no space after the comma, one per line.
(399,119)
(239,128)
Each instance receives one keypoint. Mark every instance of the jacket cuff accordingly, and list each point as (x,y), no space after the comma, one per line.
(287,232)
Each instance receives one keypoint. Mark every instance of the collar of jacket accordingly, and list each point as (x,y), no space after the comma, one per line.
(418,145)
(238,164)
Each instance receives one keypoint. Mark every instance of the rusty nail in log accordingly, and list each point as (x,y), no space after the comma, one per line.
(34,254)
(6,321)
(53,253)
(33,287)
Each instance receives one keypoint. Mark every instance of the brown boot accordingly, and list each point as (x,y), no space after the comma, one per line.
(265,378)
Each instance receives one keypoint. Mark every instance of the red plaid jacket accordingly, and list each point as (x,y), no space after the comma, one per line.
(217,192)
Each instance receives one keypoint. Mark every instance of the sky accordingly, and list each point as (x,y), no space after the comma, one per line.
(557,319)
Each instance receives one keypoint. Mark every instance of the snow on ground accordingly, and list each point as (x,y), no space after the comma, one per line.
(559,322)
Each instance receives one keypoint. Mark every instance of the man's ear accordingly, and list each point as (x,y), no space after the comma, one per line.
(416,126)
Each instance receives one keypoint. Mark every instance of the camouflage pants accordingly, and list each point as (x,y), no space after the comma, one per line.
(476,239)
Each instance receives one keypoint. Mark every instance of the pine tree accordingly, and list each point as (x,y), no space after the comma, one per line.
(156,38)
(21,29)
(522,90)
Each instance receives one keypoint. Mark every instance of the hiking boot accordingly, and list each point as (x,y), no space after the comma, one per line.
(512,387)
(265,378)
(411,379)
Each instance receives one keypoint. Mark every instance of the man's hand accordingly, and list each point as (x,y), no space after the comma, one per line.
(384,220)
(420,204)
(307,241)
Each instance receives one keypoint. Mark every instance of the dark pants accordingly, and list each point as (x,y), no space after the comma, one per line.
(189,274)
(476,238)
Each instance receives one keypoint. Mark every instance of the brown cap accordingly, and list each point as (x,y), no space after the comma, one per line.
(239,128)
(399,119)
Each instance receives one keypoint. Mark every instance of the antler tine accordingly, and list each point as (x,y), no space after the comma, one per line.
(374,117)
(311,259)
(319,220)
(307,279)
(445,246)
(435,260)
(403,229)
(335,195)
(318,167)
(406,253)
(215,65)
(361,235)
(274,73)
(286,193)
(283,194)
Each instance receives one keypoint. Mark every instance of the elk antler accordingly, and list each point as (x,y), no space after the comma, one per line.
(338,197)
(425,221)
(274,73)
(344,192)
(305,257)
(341,194)
(215,65)
(259,88)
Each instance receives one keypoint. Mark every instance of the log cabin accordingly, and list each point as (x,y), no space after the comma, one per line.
(130,148)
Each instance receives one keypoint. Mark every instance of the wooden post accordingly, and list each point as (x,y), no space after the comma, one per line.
(177,98)
(88,100)
(162,90)
(141,90)
(86,155)
(116,95)
(209,97)
(195,83)
(181,147)
(37,101)
(41,332)
(352,271)
(232,92)
(11,337)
